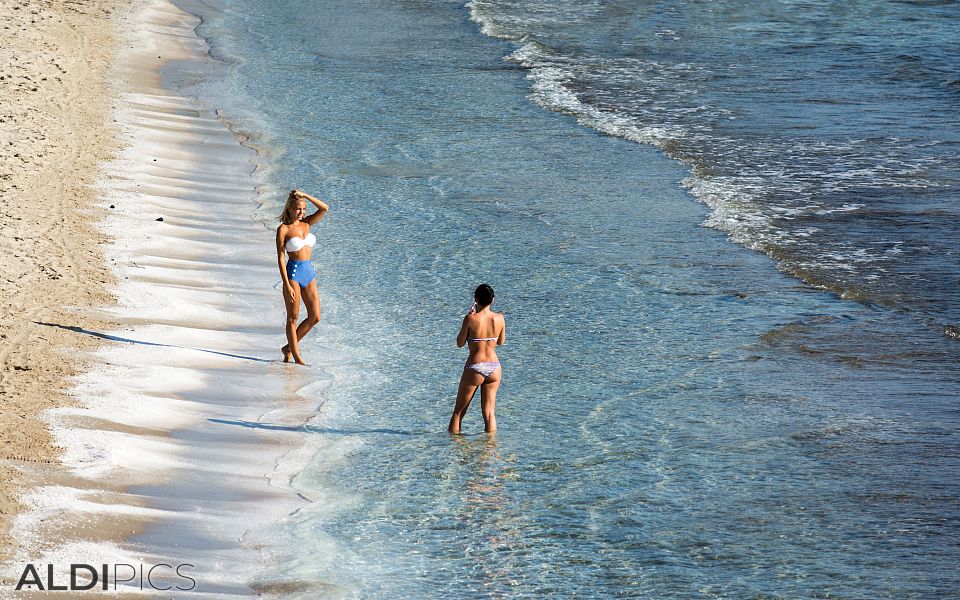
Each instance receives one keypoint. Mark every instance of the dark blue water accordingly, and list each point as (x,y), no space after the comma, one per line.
(681,416)
(823,133)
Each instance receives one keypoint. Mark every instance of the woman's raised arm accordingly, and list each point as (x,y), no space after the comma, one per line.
(322,207)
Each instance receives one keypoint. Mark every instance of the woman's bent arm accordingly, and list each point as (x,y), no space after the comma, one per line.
(322,208)
(502,338)
(462,336)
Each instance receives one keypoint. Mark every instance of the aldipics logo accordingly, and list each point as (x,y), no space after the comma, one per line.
(81,577)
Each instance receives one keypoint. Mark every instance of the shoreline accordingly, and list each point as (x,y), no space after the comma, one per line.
(54,136)
(176,396)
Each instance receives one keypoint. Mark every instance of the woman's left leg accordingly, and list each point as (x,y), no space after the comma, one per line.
(311,299)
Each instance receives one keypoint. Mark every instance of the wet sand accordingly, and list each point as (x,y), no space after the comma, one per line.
(176,428)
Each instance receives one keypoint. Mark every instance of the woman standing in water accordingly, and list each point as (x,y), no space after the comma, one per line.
(299,278)
(482,330)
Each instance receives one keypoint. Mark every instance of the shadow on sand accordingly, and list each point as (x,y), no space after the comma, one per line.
(312,429)
(115,338)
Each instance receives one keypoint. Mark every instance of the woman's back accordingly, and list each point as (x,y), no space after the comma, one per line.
(484,332)
(484,324)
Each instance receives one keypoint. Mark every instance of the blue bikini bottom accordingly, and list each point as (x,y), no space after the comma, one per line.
(301,271)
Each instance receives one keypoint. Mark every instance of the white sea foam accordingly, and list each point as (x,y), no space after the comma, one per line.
(175,396)
(512,24)
(740,203)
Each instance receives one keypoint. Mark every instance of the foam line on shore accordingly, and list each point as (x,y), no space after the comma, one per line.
(196,276)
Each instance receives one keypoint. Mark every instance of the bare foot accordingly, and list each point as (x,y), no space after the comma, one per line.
(286,353)
(298,359)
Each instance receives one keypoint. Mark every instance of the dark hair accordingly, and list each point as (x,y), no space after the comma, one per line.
(483,295)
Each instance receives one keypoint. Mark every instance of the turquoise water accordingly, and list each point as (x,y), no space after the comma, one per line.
(679,418)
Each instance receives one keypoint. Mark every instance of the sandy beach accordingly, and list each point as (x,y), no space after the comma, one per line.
(54,132)
(144,448)
(681,415)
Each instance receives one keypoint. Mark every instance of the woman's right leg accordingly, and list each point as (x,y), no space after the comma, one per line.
(292,302)
(469,382)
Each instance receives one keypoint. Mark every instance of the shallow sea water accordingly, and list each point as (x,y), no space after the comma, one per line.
(678,417)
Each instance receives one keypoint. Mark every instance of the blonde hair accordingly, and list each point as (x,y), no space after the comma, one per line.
(288,215)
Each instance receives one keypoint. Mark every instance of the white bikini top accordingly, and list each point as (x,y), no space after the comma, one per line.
(295,243)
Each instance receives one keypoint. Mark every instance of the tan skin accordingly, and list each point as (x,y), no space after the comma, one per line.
(480,322)
(292,292)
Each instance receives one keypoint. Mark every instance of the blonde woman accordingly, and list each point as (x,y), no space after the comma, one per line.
(299,278)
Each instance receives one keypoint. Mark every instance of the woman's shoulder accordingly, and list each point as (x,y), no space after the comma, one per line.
(496,317)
